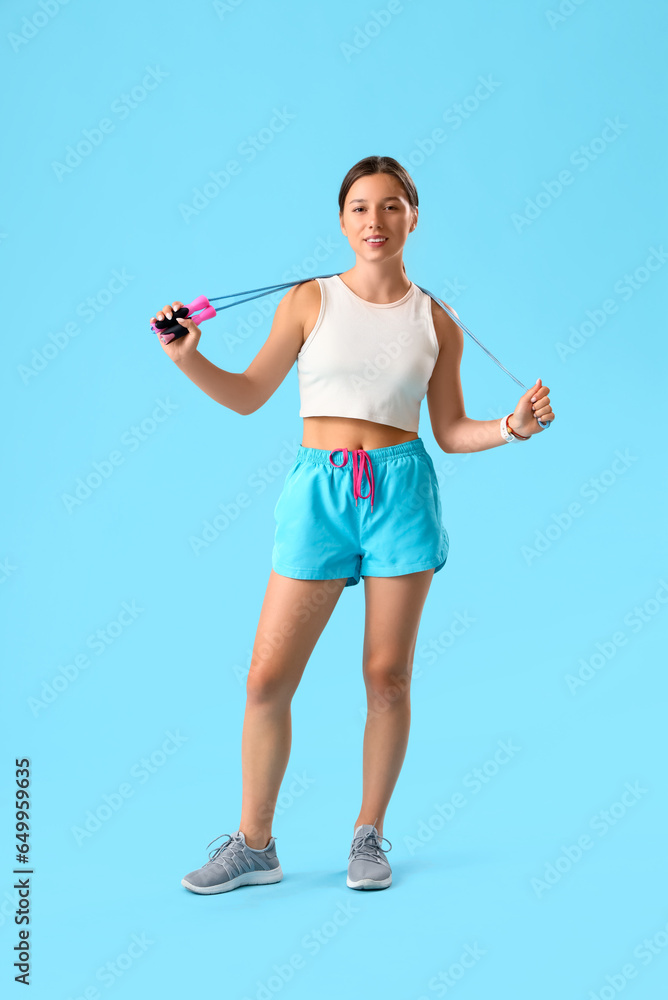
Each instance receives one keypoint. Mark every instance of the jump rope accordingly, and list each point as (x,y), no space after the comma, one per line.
(201,309)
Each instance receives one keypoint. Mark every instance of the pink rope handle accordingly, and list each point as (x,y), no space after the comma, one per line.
(198,310)
(202,307)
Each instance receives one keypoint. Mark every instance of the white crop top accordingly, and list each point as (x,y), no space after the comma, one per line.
(369,360)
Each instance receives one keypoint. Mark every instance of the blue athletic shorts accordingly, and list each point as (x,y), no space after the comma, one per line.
(359,513)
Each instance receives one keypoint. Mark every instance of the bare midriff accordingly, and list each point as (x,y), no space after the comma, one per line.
(348,432)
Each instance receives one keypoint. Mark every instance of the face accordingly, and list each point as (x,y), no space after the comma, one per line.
(377,205)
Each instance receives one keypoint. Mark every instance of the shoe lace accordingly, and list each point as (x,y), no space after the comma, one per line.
(367,846)
(226,854)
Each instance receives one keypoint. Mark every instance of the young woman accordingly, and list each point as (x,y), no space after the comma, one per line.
(369,345)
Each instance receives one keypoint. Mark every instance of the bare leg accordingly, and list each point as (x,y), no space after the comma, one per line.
(393,612)
(293,615)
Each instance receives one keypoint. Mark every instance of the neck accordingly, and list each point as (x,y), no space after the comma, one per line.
(378,282)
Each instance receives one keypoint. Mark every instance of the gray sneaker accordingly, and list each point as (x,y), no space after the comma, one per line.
(234,864)
(368,868)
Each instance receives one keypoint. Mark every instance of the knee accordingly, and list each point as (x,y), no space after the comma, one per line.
(388,679)
(265,685)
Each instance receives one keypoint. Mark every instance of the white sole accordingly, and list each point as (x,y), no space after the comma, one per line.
(246,878)
(369,883)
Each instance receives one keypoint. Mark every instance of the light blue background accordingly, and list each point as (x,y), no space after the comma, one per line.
(179,666)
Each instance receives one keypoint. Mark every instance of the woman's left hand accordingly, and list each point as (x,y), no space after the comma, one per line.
(533,406)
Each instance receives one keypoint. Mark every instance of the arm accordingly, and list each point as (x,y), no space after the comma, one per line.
(230,389)
(297,311)
(453,430)
(245,392)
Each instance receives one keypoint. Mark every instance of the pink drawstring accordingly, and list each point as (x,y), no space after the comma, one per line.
(361,456)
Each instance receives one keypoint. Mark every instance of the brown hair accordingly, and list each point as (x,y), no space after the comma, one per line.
(378,165)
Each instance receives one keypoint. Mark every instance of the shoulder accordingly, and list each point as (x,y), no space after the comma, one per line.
(303,303)
(306,292)
(302,297)
(448,334)
(439,314)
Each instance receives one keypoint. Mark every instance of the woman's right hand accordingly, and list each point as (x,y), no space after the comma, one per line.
(183,347)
